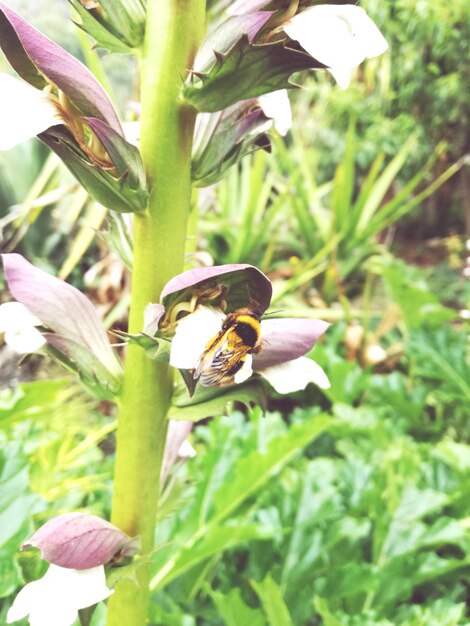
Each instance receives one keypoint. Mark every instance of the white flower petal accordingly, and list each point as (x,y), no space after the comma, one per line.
(245,371)
(295,375)
(89,586)
(339,36)
(192,335)
(24,112)
(364,30)
(55,599)
(29,595)
(62,615)
(276,106)
(18,325)
(15,316)
(186,450)
(132,132)
(24,341)
(342,76)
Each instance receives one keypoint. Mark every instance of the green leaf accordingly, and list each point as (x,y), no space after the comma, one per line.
(269,592)
(127,19)
(211,401)
(217,499)
(92,220)
(33,400)
(246,71)
(17,506)
(95,28)
(10,572)
(126,193)
(382,184)
(418,305)
(234,611)
(156,348)
(219,538)
(252,472)
(321,605)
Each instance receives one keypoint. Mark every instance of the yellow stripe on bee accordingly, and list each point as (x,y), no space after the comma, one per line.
(251,321)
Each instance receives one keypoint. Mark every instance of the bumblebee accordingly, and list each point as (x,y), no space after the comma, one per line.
(226,353)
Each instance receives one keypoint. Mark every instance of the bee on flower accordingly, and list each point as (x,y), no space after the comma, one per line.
(214,317)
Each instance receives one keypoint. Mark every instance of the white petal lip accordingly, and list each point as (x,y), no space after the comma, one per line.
(24,112)
(54,600)
(186,450)
(339,36)
(18,326)
(276,106)
(192,335)
(25,341)
(295,375)
(245,371)
(15,316)
(132,133)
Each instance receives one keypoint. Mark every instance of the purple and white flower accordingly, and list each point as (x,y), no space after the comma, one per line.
(77,546)
(193,308)
(280,361)
(72,328)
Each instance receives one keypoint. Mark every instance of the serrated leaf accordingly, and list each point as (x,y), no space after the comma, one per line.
(156,348)
(222,38)
(248,474)
(247,71)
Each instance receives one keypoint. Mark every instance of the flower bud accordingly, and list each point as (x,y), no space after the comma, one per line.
(62,103)
(80,541)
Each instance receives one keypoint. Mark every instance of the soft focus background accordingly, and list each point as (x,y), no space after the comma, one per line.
(361,216)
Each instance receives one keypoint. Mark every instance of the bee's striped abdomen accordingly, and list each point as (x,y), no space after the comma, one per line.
(248,329)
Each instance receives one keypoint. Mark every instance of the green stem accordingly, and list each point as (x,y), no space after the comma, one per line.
(174,29)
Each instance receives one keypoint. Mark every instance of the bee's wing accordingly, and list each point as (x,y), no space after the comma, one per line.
(218,347)
(223,366)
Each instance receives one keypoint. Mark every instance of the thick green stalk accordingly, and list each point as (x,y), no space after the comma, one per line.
(174,29)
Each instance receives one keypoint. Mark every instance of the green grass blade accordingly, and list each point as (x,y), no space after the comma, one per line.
(269,592)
